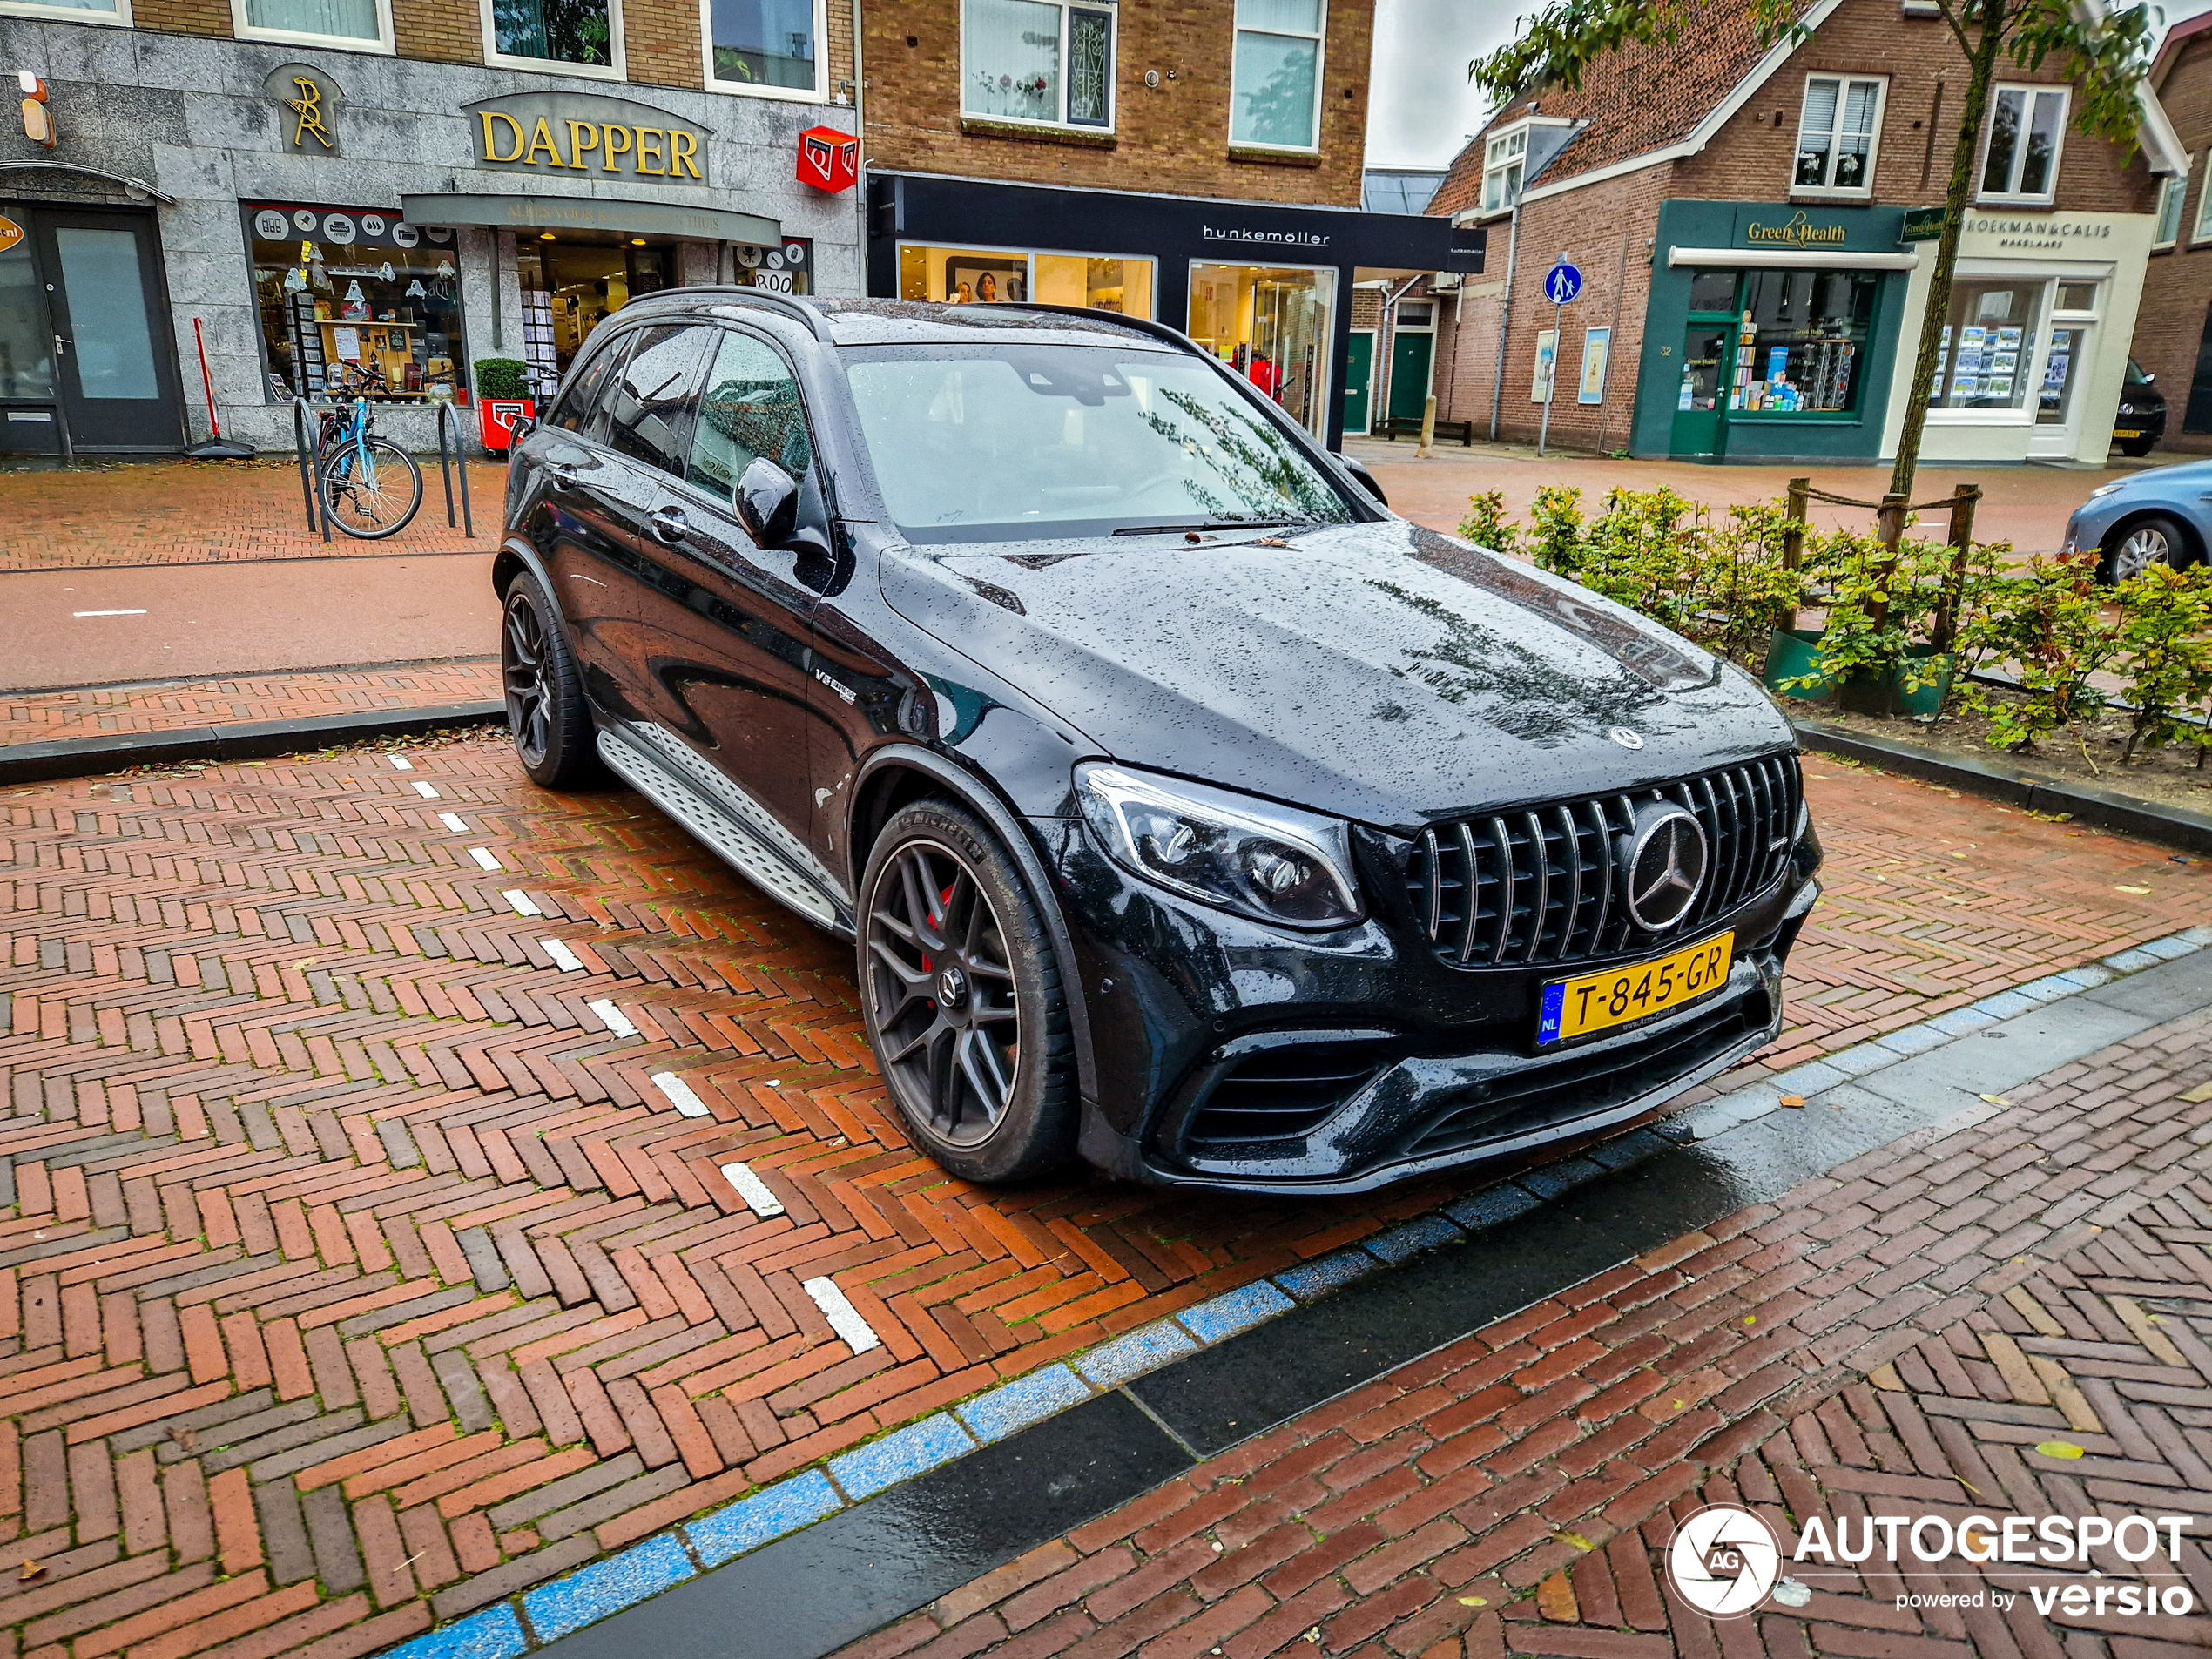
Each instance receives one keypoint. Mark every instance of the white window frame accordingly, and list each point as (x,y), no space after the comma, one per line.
(2032,89)
(1506,162)
(118,18)
(2202,230)
(383,44)
(618,70)
(1844,84)
(1113,73)
(2173,189)
(1320,39)
(817,93)
(1149,260)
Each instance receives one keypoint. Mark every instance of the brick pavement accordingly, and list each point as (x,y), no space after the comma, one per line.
(2015,1317)
(104,711)
(353,1254)
(184,512)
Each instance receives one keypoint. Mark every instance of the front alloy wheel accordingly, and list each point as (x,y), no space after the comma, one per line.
(2149,541)
(962,998)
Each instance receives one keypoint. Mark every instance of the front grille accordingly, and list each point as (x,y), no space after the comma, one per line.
(1282,1093)
(1587,1085)
(1536,884)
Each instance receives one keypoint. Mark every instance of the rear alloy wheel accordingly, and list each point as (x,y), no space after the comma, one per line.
(963,999)
(546,713)
(2155,540)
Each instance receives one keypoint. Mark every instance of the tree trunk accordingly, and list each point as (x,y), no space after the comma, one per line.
(1994,16)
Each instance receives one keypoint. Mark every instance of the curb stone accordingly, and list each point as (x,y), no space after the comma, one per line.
(32,762)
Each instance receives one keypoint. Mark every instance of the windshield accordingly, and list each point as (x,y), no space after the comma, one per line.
(1005,442)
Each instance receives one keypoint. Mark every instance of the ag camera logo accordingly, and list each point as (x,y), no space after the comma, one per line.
(1723,1561)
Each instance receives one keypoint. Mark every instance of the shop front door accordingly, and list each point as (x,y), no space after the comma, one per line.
(1358,382)
(115,363)
(1410,356)
(1700,398)
(2058,410)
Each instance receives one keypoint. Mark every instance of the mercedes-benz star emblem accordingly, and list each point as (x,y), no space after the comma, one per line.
(952,986)
(1625,738)
(1662,864)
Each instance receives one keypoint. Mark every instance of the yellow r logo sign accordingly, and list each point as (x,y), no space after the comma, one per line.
(308,107)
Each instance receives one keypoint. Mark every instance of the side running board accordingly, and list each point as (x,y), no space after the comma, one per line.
(727,840)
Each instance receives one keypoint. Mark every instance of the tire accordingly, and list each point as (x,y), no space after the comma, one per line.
(370,512)
(965,1004)
(546,711)
(2136,449)
(2141,543)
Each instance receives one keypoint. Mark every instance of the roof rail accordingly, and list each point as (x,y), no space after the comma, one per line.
(789,305)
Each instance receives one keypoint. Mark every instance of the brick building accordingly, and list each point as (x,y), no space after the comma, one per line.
(2174,329)
(1742,217)
(1197,162)
(375,194)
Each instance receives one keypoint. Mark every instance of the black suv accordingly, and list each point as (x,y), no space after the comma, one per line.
(1190,810)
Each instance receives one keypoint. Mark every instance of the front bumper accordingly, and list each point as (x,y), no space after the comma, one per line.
(1241,1057)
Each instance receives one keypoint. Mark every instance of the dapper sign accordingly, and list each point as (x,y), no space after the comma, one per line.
(562,134)
(828,159)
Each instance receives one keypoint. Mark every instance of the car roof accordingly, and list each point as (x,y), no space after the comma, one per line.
(887,322)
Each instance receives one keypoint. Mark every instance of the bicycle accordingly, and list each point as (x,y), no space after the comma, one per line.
(370,487)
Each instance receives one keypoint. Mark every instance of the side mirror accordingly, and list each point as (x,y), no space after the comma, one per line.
(2148,379)
(767,503)
(524,425)
(1359,469)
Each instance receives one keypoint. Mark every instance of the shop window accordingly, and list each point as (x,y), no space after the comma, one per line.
(574,281)
(356,302)
(1801,342)
(787,268)
(2027,130)
(2172,190)
(1046,61)
(1836,134)
(1712,291)
(1275,89)
(351,23)
(1503,161)
(750,409)
(1989,345)
(582,36)
(26,345)
(965,276)
(1274,327)
(769,47)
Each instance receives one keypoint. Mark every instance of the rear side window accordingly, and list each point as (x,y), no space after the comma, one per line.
(575,407)
(649,400)
(749,409)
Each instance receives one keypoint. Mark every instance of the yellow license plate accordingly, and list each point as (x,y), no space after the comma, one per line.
(2127,432)
(1576,1008)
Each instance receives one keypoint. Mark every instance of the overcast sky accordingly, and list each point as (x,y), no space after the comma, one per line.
(1420,110)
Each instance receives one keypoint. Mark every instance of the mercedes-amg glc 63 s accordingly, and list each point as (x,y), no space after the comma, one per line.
(1189,811)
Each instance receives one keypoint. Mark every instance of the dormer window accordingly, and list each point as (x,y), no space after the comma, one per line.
(1836,133)
(1503,160)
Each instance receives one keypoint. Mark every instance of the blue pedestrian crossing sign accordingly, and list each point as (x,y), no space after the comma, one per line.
(1562,282)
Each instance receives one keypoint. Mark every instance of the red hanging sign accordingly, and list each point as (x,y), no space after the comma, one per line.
(828,159)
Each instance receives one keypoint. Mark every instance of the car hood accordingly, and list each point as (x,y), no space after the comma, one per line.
(1379,671)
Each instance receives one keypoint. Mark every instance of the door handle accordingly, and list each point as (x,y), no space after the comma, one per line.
(670,524)
(561,474)
(62,345)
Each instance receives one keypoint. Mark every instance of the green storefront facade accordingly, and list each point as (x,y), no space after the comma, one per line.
(1771,332)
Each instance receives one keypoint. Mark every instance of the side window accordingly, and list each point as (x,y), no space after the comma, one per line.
(750,409)
(575,407)
(648,401)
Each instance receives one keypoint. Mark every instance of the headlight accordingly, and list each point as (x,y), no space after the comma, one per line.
(1273,863)
(2105,489)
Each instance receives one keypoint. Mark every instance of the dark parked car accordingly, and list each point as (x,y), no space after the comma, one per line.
(2140,421)
(2160,516)
(1189,811)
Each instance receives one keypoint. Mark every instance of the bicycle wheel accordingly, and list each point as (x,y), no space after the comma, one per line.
(372,495)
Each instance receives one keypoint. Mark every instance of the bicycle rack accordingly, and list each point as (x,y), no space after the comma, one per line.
(460,458)
(302,418)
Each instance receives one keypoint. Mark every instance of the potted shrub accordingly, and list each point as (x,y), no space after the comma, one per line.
(502,398)
(1888,643)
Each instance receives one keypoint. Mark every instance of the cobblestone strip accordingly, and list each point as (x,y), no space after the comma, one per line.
(348,1248)
(2016,1318)
(46,717)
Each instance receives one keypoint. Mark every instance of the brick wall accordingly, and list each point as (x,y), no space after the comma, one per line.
(446,31)
(1608,228)
(1174,138)
(2177,292)
(184,16)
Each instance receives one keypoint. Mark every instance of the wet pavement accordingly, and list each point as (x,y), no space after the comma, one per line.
(356,1250)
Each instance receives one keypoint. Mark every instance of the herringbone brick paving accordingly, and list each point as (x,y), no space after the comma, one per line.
(187,512)
(104,711)
(357,1277)
(2014,1318)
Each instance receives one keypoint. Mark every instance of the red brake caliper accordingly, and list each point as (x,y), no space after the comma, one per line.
(927,965)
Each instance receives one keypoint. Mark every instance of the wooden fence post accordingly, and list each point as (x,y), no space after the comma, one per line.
(1793,539)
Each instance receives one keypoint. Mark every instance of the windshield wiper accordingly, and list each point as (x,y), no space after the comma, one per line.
(1211,524)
